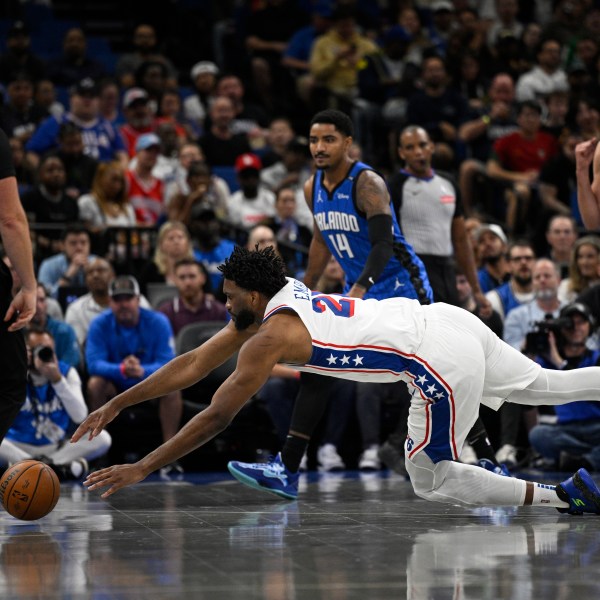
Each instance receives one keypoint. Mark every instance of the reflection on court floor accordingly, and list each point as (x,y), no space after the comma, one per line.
(349,536)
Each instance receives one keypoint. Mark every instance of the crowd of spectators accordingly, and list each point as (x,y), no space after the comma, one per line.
(162,166)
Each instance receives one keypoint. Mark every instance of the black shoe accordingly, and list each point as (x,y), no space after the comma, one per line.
(572,462)
(73,471)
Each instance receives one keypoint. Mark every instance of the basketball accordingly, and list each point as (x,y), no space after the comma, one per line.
(29,490)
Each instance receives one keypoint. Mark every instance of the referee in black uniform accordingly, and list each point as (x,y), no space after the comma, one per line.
(17,311)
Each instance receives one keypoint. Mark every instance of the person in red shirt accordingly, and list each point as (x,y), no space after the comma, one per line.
(144,190)
(516,161)
(139,118)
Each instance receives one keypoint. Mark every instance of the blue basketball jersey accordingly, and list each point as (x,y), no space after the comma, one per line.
(345,231)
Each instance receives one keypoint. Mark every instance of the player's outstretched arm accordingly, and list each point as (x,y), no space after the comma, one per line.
(179,373)
(256,360)
(588,195)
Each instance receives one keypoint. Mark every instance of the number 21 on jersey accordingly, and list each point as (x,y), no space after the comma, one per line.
(340,243)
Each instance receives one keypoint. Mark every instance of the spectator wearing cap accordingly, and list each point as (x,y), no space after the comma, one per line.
(139,118)
(254,202)
(100,139)
(144,48)
(82,311)
(144,190)
(443,24)
(204,80)
(124,346)
(18,57)
(74,64)
(19,116)
(491,244)
(574,440)
(220,145)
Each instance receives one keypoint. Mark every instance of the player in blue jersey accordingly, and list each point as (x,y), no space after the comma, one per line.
(354,222)
(451,360)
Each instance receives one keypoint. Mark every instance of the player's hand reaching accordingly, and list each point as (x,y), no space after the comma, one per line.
(95,422)
(117,477)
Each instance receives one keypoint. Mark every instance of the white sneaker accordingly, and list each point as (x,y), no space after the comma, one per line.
(468,456)
(369,459)
(329,459)
(507,455)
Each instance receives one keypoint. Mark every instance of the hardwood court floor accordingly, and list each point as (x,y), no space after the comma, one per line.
(349,536)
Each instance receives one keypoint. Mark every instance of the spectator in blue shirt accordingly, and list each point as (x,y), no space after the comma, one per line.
(126,344)
(100,139)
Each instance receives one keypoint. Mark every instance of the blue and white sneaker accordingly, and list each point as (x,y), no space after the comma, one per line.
(271,476)
(581,493)
(488,465)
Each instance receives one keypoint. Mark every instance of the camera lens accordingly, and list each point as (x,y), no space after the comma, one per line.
(44,353)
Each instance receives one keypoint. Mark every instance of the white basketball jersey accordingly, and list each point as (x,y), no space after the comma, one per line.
(361,340)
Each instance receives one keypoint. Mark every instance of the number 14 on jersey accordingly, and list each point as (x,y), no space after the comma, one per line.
(341,244)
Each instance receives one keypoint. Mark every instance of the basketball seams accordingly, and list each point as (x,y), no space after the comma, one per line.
(9,489)
(32,496)
(43,494)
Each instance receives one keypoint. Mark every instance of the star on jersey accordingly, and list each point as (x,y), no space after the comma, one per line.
(397,284)
(332,360)
(431,389)
(358,360)
(345,360)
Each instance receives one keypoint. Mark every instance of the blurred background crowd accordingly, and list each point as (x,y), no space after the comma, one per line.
(148,142)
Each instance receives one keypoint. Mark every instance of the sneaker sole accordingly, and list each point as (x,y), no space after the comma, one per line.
(250,482)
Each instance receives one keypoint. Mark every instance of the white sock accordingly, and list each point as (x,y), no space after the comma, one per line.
(545,495)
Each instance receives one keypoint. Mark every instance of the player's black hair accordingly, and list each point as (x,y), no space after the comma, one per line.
(255,270)
(341,121)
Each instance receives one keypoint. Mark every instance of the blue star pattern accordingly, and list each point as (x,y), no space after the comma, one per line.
(389,364)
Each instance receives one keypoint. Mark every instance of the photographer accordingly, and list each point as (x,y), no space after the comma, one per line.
(574,441)
(53,407)
(521,325)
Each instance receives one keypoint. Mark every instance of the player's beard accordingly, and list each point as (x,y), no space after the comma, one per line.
(243,319)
